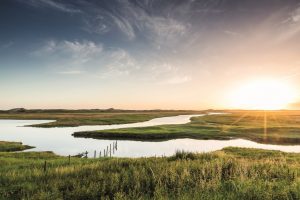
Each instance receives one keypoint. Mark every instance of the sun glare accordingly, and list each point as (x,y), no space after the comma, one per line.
(264,94)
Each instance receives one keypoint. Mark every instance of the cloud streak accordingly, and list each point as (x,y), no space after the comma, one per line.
(72,72)
(6,45)
(134,20)
(57,5)
(167,74)
(89,57)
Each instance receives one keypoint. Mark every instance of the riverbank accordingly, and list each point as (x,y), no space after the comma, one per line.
(232,173)
(269,127)
(73,118)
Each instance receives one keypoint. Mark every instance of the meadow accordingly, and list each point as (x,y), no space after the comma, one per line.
(71,118)
(232,173)
(269,127)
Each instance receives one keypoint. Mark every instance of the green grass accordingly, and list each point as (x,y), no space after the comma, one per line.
(13,146)
(71,118)
(233,173)
(272,127)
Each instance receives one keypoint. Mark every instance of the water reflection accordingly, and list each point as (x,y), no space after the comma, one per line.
(61,141)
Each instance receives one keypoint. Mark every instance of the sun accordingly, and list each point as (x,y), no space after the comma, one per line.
(263,94)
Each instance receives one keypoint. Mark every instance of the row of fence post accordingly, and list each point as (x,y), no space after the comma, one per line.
(109,151)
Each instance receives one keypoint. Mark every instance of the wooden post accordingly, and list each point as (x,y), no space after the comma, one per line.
(99,154)
(95,154)
(113,147)
(116,145)
(45,166)
(69,159)
(86,153)
(104,153)
(109,150)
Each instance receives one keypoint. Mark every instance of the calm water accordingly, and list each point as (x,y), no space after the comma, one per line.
(61,141)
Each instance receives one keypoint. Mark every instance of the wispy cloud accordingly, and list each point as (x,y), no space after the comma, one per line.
(91,58)
(118,62)
(71,72)
(295,16)
(6,45)
(135,19)
(161,25)
(232,33)
(81,52)
(57,5)
(167,73)
(291,25)
(177,80)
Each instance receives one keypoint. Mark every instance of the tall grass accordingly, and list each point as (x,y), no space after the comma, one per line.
(219,175)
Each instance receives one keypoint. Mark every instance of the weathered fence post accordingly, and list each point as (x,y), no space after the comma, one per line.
(95,154)
(109,150)
(86,153)
(116,145)
(100,154)
(45,166)
(69,159)
(113,147)
(104,153)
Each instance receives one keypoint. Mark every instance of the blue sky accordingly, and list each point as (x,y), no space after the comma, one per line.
(142,54)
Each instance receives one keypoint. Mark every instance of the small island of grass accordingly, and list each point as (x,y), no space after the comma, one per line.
(270,127)
(13,146)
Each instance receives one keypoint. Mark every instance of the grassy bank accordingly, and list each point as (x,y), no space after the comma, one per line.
(232,173)
(71,118)
(271,127)
(13,146)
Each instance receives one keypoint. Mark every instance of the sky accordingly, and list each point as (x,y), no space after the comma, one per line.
(143,54)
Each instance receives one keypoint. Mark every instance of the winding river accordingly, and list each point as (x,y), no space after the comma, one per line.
(61,141)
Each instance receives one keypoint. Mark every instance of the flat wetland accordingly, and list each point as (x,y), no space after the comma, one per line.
(73,118)
(268,127)
(230,173)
